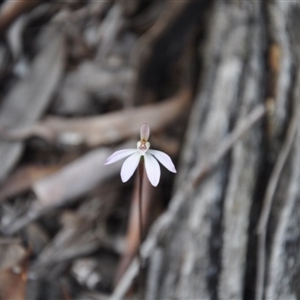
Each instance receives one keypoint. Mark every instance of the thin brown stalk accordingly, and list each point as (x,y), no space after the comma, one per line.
(141,176)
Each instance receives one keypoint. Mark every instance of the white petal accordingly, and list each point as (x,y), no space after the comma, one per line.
(129,166)
(119,155)
(152,169)
(164,159)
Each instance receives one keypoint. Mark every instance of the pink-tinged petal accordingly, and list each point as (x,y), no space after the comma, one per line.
(152,169)
(129,166)
(119,155)
(145,132)
(164,159)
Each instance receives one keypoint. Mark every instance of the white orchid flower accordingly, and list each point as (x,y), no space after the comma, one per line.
(150,158)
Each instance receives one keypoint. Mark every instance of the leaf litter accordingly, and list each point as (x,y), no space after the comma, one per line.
(82,76)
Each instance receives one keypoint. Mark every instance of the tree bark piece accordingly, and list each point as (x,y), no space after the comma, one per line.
(204,256)
(243,172)
(283,265)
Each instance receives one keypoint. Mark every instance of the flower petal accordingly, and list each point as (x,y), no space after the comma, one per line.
(152,169)
(145,132)
(129,166)
(119,155)
(164,159)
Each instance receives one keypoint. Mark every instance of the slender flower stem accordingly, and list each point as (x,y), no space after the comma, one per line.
(141,176)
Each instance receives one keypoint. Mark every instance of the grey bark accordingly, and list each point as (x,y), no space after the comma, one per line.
(211,251)
(283,275)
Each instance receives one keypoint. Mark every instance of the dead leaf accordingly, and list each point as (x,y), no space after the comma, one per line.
(79,235)
(110,28)
(11,253)
(24,104)
(13,271)
(91,79)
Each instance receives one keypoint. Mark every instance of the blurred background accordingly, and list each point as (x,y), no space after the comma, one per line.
(218,82)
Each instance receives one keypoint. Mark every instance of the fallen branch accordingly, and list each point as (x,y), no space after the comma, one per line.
(107,129)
